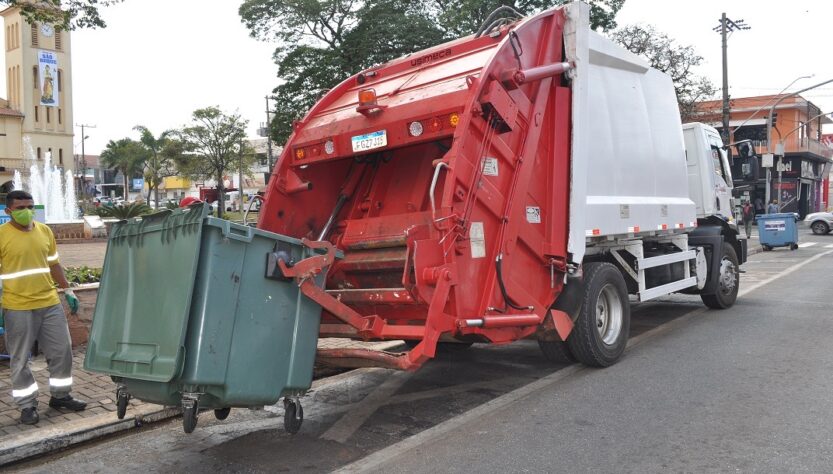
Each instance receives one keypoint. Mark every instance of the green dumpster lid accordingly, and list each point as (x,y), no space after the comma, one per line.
(141,313)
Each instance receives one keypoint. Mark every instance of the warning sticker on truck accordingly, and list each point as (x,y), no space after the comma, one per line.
(490,166)
(775,226)
(478,240)
(533,214)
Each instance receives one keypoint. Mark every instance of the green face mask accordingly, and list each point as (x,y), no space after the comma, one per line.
(23,216)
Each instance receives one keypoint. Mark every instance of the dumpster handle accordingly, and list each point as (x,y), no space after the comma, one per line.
(233,232)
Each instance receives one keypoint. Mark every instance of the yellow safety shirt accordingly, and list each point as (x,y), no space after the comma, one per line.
(25,258)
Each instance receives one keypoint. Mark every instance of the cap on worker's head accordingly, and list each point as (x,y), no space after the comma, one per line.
(187,201)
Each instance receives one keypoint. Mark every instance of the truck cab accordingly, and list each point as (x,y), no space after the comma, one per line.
(709,173)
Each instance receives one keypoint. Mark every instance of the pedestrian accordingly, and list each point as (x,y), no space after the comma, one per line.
(29,269)
(748,217)
(759,205)
(772,208)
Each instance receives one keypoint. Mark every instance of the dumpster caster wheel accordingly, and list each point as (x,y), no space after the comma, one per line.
(189,415)
(122,397)
(293,415)
(794,247)
(222,413)
(767,248)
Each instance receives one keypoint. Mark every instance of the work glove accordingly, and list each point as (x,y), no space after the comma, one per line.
(72,301)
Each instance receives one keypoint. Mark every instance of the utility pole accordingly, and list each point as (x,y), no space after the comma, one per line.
(727,26)
(84,161)
(268,139)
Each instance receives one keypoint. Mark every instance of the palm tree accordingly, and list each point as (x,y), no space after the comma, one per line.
(125,155)
(160,164)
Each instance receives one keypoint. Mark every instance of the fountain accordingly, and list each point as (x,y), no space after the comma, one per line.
(49,187)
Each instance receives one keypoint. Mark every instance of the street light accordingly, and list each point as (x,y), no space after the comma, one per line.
(781,143)
(769,131)
(755,113)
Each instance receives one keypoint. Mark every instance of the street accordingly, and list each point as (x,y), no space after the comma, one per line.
(744,389)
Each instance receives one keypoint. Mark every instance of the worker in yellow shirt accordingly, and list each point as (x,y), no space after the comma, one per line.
(29,269)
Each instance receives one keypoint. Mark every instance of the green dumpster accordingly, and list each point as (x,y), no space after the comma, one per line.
(190,313)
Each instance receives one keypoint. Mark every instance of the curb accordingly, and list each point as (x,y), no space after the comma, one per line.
(67,434)
(56,438)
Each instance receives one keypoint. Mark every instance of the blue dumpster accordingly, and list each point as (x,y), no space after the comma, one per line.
(778,230)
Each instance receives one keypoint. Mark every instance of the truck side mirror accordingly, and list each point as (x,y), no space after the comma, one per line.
(745,149)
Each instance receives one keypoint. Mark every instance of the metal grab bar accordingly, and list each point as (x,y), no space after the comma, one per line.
(249,208)
(434,180)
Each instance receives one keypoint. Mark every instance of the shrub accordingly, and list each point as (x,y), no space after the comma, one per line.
(82,274)
(126,211)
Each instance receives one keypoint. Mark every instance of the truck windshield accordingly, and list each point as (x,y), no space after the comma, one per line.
(719,161)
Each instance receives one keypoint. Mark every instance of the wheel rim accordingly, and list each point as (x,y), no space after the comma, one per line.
(609,314)
(819,228)
(728,276)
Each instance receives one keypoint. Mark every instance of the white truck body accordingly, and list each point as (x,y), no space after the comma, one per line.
(628,156)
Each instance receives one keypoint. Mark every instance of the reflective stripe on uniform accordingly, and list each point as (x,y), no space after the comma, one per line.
(34,271)
(52,258)
(25,392)
(60,382)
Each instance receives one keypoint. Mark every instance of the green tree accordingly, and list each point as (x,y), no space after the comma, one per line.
(126,156)
(67,14)
(322,42)
(325,41)
(463,17)
(163,151)
(213,144)
(676,60)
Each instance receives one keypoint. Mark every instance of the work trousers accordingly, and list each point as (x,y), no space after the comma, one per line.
(49,327)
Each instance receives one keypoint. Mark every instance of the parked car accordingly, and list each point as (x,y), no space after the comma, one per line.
(820,222)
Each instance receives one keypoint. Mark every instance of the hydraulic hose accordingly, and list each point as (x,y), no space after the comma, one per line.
(491,18)
(499,273)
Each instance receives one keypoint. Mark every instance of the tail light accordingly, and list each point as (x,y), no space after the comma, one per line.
(454,119)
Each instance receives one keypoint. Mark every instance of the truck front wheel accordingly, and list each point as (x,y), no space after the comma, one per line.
(601,331)
(728,281)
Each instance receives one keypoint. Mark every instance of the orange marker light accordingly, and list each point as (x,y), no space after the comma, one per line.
(454,119)
(367,97)
(300,154)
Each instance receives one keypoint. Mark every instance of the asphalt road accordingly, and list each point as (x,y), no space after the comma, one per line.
(745,389)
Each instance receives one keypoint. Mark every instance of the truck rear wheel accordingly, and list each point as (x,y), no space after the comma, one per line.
(556,351)
(601,331)
(728,282)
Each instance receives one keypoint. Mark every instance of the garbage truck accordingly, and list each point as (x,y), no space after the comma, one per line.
(525,182)
(520,182)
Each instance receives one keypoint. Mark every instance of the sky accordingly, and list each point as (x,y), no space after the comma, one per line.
(157,61)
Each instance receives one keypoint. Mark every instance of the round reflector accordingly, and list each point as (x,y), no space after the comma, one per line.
(415,129)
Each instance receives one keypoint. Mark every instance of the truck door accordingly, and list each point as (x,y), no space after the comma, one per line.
(722,176)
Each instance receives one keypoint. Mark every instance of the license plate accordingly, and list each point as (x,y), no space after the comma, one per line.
(370,141)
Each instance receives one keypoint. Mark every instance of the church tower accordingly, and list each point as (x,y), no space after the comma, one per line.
(36,116)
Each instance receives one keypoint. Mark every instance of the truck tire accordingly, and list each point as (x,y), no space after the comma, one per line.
(601,331)
(556,351)
(728,281)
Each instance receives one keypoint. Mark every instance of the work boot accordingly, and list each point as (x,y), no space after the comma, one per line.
(29,416)
(72,404)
